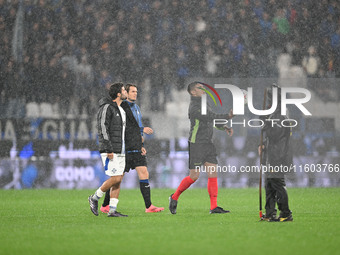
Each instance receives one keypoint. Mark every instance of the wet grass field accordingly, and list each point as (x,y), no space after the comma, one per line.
(60,222)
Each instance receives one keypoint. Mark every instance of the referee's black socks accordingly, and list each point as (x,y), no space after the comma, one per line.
(145,190)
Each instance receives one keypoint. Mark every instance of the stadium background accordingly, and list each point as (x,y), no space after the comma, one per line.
(57,57)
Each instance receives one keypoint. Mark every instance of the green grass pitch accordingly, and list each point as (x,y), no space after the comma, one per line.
(60,222)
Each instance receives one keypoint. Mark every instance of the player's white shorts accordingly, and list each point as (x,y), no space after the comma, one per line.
(115,166)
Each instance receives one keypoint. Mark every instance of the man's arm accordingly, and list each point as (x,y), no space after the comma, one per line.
(103,128)
(146,130)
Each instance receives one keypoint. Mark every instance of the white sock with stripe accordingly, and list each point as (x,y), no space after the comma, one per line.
(98,194)
(113,204)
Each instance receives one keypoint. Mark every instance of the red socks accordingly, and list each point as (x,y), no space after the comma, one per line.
(213,190)
(185,183)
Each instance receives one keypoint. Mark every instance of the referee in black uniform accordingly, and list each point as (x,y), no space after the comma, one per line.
(202,151)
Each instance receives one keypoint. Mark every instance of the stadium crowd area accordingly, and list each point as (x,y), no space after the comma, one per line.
(72,50)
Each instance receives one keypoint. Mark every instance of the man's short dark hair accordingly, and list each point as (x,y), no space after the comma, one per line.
(114,89)
(191,86)
(128,86)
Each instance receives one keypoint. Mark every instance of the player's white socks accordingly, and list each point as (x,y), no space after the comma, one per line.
(98,194)
(113,204)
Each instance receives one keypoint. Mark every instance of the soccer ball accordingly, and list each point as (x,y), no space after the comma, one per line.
(245,95)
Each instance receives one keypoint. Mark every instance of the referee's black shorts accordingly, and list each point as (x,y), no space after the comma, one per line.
(134,159)
(200,153)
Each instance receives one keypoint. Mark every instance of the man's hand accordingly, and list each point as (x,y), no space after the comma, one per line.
(259,149)
(231,114)
(147,130)
(110,155)
(229,130)
(143,151)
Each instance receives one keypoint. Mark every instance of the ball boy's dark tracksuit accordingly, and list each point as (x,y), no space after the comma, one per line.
(277,152)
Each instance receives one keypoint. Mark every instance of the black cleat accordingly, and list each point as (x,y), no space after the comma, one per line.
(219,210)
(172,205)
(286,218)
(116,214)
(270,219)
(93,205)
